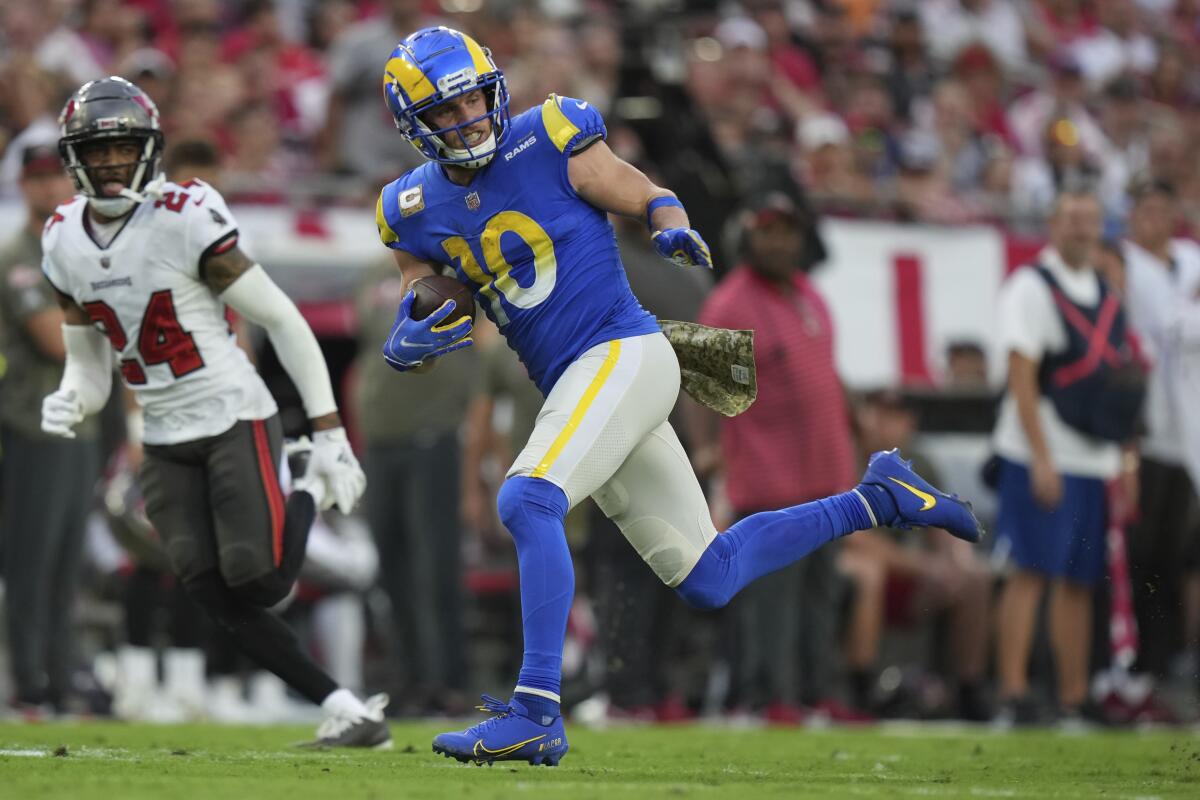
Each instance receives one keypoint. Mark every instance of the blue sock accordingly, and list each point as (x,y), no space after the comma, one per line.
(763,543)
(533,511)
(542,710)
(881,501)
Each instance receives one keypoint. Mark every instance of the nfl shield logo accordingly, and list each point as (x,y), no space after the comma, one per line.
(105,262)
(473,201)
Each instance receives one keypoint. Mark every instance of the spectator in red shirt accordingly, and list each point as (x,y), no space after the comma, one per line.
(785,621)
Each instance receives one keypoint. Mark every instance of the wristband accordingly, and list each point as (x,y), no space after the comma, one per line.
(659,202)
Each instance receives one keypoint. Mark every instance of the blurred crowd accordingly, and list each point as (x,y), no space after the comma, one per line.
(942,111)
(763,116)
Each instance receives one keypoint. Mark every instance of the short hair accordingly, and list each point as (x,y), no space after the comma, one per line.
(194,152)
(965,347)
(1143,187)
(1077,190)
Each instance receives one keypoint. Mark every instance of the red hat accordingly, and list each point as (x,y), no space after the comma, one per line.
(41,159)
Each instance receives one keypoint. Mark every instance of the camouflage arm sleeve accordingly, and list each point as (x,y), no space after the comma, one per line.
(716,365)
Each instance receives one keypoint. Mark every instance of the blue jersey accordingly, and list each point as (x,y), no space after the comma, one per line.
(543,263)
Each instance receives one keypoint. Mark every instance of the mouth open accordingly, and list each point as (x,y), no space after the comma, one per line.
(111,187)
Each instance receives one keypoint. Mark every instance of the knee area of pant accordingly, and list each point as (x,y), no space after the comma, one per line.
(522,495)
(711,584)
(208,590)
(703,597)
(265,591)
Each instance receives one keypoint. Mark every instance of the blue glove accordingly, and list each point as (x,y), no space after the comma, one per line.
(414,340)
(683,246)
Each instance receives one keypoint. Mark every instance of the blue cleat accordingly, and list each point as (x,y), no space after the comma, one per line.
(509,736)
(918,502)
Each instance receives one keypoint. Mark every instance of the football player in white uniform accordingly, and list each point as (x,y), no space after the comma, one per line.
(146,268)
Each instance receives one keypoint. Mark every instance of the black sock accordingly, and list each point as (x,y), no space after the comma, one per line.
(861,682)
(141,602)
(271,588)
(297,522)
(262,636)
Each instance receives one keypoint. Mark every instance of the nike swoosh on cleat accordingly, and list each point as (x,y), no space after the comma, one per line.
(930,500)
(503,751)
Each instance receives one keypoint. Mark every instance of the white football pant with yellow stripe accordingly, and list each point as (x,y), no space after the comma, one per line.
(603,433)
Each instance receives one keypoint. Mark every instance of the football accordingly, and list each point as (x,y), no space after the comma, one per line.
(434,290)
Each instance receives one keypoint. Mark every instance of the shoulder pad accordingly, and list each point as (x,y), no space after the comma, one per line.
(52,226)
(570,123)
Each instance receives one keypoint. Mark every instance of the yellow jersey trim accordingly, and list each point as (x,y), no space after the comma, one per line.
(560,129)
(386,234)
(581,409)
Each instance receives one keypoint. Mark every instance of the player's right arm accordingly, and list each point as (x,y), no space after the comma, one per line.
(1022,315)
(87,372)
(245,287)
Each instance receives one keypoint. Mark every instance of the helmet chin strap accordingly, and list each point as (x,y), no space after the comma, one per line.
(488,144)
(127,198)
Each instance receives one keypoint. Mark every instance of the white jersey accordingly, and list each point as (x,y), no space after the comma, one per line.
(143,289)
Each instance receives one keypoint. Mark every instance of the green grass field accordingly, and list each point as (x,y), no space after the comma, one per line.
(114,761)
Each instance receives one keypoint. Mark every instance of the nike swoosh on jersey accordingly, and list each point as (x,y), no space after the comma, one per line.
(581,105)
(479,745)
(199,199)
(930,500)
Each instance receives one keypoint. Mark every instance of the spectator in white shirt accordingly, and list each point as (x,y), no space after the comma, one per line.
(1163,298)
(1052,516)
(951,25)
(1117,46)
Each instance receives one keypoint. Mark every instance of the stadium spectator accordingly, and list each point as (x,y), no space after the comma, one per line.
(46,481)
(966,366)
(29,100)
(359,136)
(1064,96)
(951,25)
(1116,45)
(409,430)
(1038,180)
(786,620)
(980,73)
(827,167)
(910,73)
(1163,280)
(905,581)
(1055,23)
(1055,454)
(1123,120)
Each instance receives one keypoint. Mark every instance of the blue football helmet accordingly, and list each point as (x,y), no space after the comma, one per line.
(432,66)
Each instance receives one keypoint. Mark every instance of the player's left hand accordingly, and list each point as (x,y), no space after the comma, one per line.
(333,462)
(61,412)
(682,246)
(412,341)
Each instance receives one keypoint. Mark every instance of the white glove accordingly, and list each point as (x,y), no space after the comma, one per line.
(61,411)
(334,463)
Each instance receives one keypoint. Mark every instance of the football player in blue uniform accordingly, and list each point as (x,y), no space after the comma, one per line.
(518,206)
